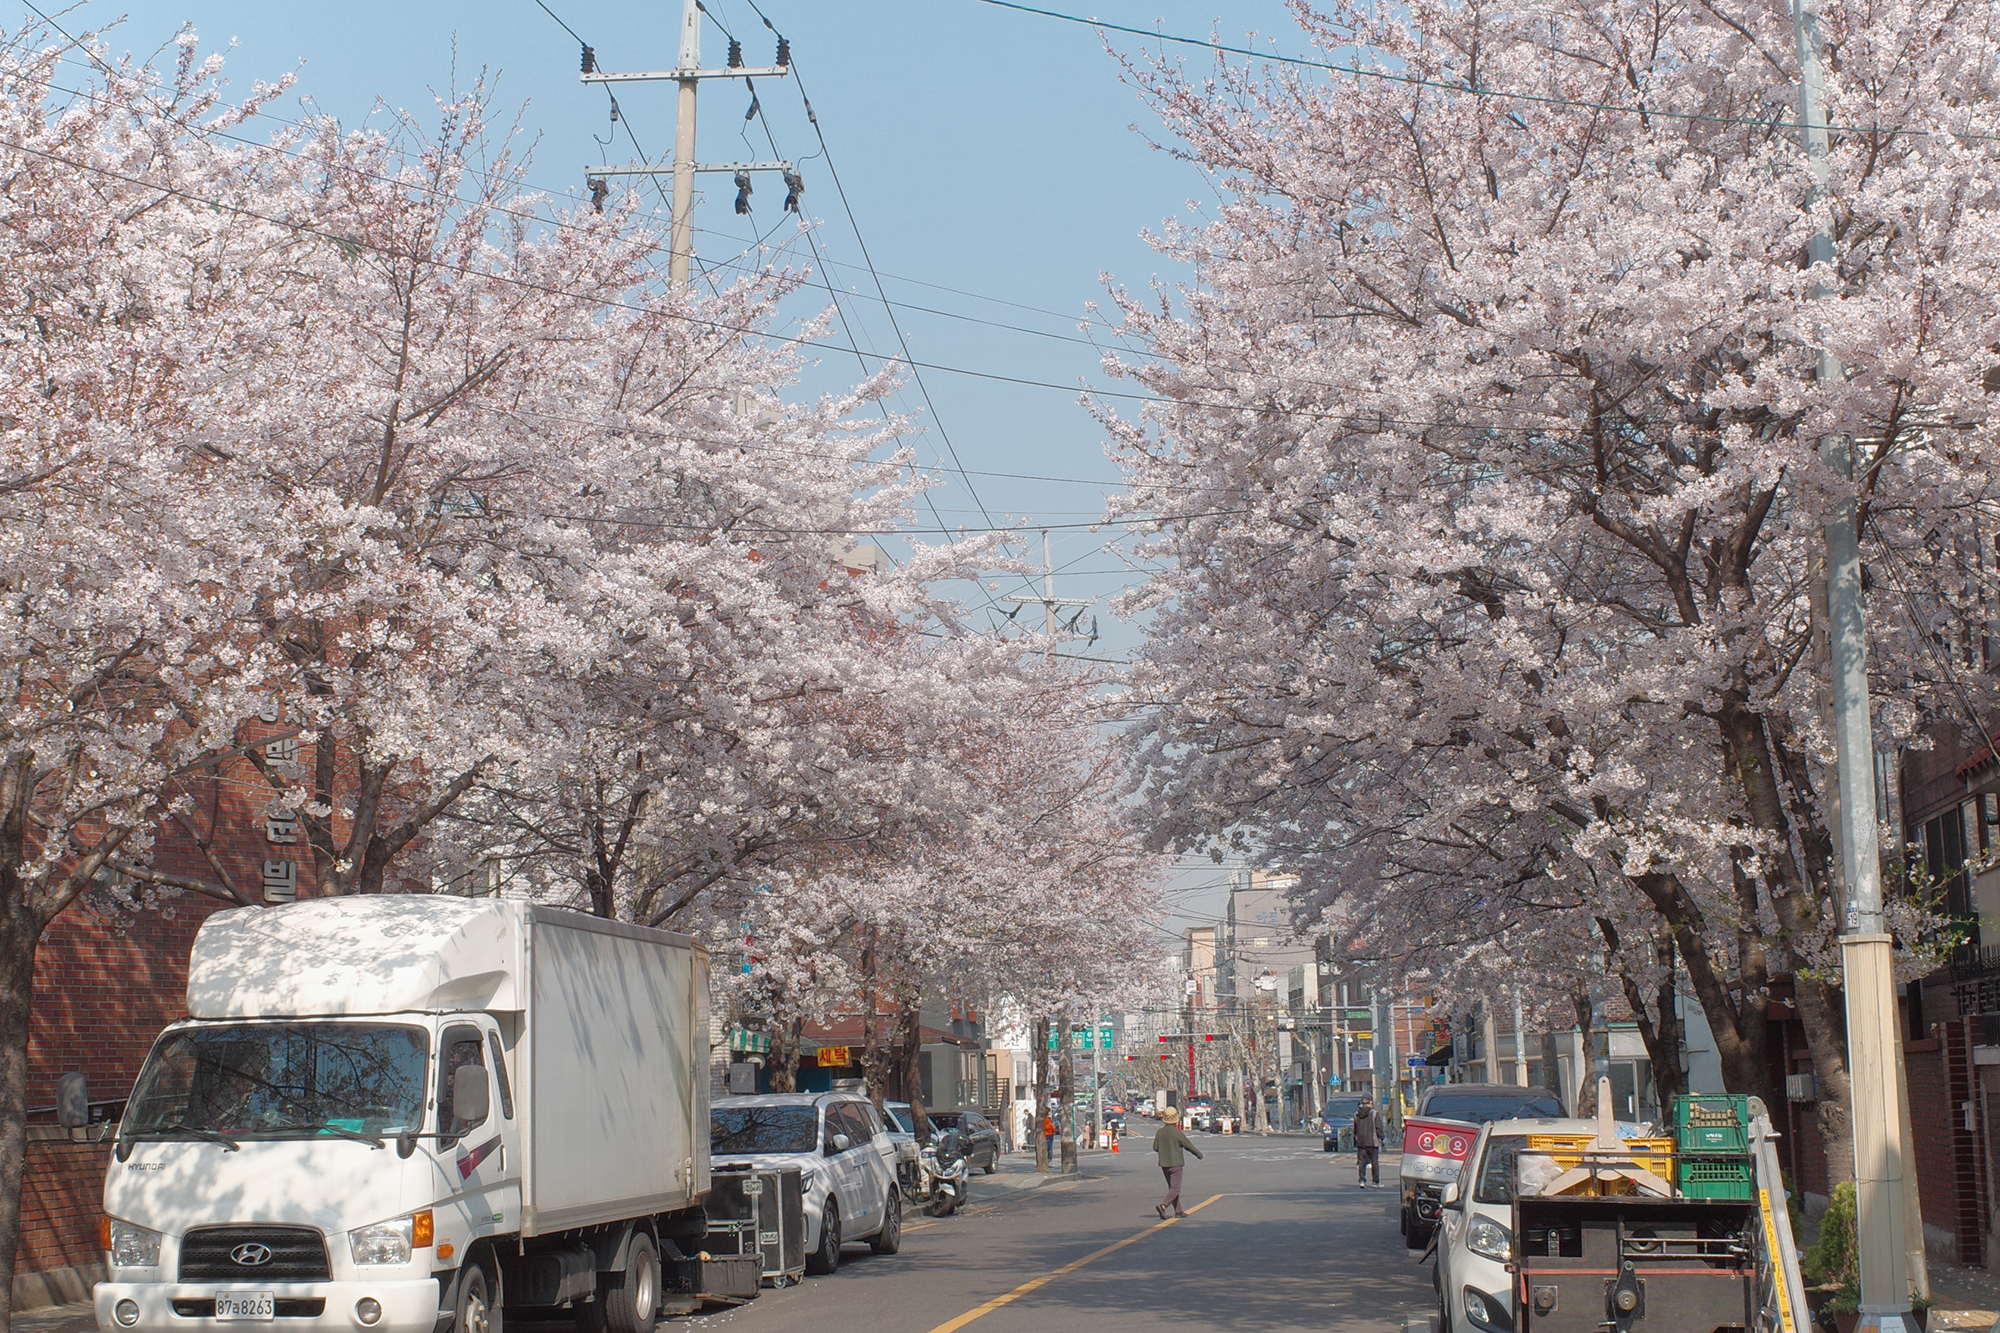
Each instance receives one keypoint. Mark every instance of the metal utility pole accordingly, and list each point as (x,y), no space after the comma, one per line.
(1048,601)
(1520,1043)
(1868,958)
(688,73)
(1387,1088)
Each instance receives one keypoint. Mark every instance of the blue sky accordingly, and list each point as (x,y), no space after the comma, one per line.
(982,150)
(988,157)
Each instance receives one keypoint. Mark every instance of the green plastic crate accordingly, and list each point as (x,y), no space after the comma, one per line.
(1715,1178)
(1712,1125)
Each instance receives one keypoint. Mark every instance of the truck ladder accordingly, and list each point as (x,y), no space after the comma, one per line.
(1781,1287)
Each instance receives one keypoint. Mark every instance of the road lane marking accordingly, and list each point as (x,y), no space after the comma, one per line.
(1034,1284)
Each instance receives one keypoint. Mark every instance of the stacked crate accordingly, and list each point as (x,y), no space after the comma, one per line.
(1712,1147)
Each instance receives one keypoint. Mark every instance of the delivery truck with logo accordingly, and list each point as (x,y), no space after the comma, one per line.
(391,1114)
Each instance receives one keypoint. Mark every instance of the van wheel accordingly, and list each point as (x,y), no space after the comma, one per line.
(477,1309)
(630,1300)
(890,1238)
(826,1259)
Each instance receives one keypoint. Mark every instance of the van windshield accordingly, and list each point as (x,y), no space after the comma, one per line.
(282,1080)
(1479,1108)
(759,1129)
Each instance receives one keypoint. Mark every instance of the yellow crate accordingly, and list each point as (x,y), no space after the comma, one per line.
(1655,1155)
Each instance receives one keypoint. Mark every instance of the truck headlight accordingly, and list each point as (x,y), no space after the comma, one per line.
(390,1242)
(1489,1238)
(131,1246)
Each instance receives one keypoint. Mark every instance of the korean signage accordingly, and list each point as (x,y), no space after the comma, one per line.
(834,1057)
(280,878)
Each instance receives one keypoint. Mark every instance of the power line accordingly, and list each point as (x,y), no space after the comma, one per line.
(1360,419)
(1414,81)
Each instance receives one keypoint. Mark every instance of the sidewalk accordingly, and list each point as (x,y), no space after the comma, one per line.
(78,1318)
(1967,1298)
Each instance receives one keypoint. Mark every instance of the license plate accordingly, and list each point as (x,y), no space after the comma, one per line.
(258,1305)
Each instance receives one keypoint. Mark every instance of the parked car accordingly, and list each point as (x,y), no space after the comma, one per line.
(1476,1241)
(845,1155)
(1338,1133)
(1437,1138)
(977,1135)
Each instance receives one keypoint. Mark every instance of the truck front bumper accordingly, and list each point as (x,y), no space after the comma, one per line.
(408,1306)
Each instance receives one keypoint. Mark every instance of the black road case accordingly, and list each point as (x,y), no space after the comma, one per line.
(760,1212)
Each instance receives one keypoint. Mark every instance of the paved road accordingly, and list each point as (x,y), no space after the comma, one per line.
(1282,1241)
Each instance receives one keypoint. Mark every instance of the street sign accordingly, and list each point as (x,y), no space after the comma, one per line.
(833,1057)
(1415,1062)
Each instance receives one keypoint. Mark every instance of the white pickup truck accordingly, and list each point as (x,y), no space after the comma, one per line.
(400,1114)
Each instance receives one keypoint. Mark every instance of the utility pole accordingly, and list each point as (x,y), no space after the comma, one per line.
(1867,954)
(1520,1043)
(688,74)
(1048,600)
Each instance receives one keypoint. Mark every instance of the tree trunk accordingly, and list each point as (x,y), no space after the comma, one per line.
(784,1055)
(1822,1015)
(1066,1072)
(1041,1054)
(910,1044)
(20,932)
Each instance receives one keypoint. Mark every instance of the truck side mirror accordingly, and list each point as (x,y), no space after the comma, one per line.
(72,1101)
(841,1143)
(471,1099)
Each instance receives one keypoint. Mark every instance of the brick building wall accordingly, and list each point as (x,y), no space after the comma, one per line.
(1930,1126)
(107,979)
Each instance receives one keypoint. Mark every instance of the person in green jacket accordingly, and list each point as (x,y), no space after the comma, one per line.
(1170,1143)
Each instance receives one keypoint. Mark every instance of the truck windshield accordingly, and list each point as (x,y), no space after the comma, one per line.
(752,1129)
(282,1080)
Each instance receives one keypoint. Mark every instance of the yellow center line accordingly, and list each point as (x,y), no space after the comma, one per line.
(1032,1284)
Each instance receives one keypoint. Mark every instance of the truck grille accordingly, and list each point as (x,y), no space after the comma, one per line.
(297,1254)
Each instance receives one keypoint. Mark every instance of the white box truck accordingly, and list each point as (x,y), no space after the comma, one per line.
(402,1114)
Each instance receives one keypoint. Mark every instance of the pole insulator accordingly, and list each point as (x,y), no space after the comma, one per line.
(589,61)
(784,52)
(735,54)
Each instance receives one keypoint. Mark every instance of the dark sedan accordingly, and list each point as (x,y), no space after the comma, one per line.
(975,1132)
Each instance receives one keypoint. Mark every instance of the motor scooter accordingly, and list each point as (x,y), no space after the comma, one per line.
(942,1173)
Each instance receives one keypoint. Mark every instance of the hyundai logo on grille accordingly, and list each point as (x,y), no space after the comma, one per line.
(251,1255)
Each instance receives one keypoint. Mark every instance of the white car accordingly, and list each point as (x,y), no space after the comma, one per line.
(846,1159)
(1475,1240)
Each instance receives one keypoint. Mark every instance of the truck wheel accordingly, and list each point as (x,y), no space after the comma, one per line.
(890,1238)
(1415,1237)
(631,1299)
(826,1259)
(477,1309)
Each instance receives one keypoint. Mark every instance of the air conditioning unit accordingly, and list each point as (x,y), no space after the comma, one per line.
(1801,1088)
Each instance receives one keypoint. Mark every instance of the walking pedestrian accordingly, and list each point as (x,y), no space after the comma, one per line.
(1048,1136)
(1172,1145)
(1369,1131)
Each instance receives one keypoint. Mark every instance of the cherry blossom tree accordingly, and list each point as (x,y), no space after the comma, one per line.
(1495,405)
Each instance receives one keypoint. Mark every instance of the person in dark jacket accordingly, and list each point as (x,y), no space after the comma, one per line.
(1369,1131)
(1172,1145)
